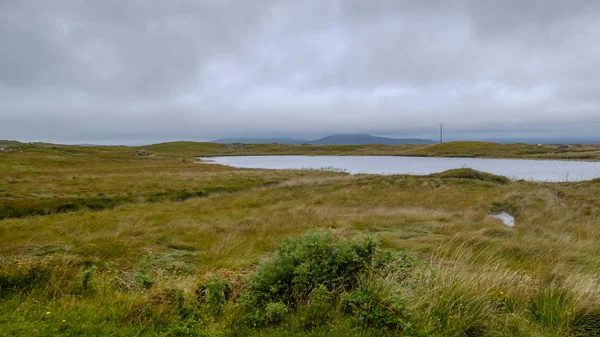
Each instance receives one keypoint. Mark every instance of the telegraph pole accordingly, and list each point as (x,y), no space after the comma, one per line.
(441,132)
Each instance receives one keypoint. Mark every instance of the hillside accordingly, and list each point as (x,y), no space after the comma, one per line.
(260,141)
(452,149)
(360,139)
(7,143)
(341,139)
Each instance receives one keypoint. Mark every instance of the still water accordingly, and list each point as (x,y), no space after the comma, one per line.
(533,170)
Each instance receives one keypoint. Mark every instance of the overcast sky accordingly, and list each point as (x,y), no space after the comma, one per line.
(127,71)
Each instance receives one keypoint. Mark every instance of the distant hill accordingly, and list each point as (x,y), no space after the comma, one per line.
(6,143)
(360,139)
(343,139)
(260,141)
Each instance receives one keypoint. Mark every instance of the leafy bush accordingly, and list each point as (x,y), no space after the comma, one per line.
(274,311)
(393,263)
(318,310)
(303,264)
(372,308)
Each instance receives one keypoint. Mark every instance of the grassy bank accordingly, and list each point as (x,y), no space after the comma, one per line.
(37,179)
(495,150)
(179,150)
(367,255)
(452,149)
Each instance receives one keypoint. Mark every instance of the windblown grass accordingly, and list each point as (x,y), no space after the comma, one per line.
(184,266)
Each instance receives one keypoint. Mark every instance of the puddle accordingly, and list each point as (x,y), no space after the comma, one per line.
(506,218)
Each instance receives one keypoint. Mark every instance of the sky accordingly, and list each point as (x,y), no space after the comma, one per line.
(144,71)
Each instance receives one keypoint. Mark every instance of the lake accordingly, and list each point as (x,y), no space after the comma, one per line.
(533,170)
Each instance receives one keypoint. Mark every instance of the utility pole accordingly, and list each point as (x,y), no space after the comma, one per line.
(441,132)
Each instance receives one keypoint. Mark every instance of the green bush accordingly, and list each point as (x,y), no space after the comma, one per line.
(274,312)
(394,263)
(318,311)
(310,276)
(303,264)
(370,307)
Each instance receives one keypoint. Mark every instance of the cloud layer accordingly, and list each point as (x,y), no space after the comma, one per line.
(134,70)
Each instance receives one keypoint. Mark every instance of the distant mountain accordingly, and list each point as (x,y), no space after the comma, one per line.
(360,139)
(260,141)
(343,139)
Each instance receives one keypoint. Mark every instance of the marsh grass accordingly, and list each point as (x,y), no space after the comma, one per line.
(181,266)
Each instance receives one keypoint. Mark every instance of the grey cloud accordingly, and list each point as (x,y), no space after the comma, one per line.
(158,70)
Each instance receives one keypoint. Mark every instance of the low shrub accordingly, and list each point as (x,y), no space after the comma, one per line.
(372,308)
(301,265)
(274,312)
(316,277)
(318,311)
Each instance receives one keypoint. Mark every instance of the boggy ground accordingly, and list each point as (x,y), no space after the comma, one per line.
(369,255)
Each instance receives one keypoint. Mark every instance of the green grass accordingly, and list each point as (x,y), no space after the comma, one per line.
(471,174)
(8,143)
(452,149)
(384,255)
(519,150)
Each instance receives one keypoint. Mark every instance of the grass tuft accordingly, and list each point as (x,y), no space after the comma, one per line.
(466,173)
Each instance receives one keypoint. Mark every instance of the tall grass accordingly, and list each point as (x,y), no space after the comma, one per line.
(192,267)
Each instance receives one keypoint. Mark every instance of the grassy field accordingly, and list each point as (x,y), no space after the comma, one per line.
(97,241)
(453,149)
